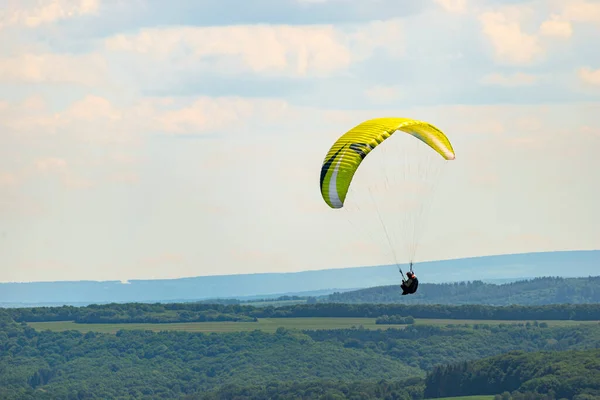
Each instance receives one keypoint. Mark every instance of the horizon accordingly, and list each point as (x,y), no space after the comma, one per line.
(331,269)
(158,142)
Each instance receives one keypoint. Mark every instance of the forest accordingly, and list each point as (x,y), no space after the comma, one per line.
(404,363)
(202,312)
(563,375)
(538,291)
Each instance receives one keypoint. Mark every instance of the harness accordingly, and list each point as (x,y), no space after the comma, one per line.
(414,286)
(415,283)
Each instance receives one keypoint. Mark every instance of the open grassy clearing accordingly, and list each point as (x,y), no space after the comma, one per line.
(264,324)
(271,325)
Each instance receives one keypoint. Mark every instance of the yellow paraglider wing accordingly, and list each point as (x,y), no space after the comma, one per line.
(351,148)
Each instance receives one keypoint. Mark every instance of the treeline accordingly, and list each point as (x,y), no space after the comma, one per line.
(580,312)
(191,312)
(538,291)
(135,313)
(558,375)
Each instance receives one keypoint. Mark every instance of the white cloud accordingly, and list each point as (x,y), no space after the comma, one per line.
(581,11)
(281,49)
(590,76)
(511,45)
(34,13)
(556,27)
(92,119)
(515,35)
(209,114)
(453,6)
(54,68)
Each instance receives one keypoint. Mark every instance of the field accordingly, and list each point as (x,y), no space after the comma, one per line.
(271,325)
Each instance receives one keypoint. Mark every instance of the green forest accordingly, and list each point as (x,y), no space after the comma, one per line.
(202,312)
(538,291)
(407,362)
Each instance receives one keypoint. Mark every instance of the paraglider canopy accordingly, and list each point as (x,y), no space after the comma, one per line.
(350,150)
(347,153)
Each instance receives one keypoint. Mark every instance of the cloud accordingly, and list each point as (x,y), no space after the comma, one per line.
(205,114)
(309,63)
(453,6)
(511,45)
(294,51)
(95,119)
(581,11)
(516,79)
(54,68)
(590,76)
(91,119)
(516,36)
(556,27)
(31,13)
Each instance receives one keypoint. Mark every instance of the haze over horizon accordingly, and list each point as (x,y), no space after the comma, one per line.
(144,141)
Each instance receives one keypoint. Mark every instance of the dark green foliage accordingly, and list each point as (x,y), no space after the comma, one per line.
(411,389)
(143,364)
(557,375)
(538,291)
(136,313)
(324,364)
(428,346)
(580,312)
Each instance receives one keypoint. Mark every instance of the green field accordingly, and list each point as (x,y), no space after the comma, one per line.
(271,325)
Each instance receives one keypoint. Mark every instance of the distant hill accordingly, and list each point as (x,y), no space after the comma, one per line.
(537,291)
(515,266)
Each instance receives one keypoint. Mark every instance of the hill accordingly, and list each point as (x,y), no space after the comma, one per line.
(569,263)
(562,375)
(536,291)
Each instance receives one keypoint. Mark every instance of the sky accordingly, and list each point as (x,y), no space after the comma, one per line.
(145,139)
